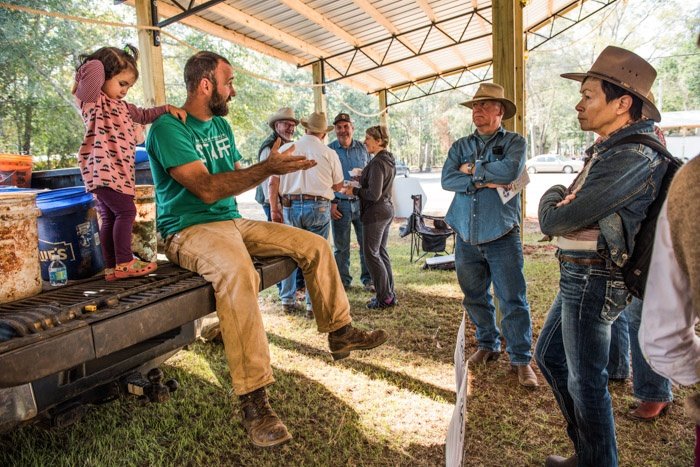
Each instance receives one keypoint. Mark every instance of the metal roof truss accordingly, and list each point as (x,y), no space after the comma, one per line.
(562,20)
(448,81)
(396,50)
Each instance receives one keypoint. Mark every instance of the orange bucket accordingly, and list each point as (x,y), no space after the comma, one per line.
(16,170)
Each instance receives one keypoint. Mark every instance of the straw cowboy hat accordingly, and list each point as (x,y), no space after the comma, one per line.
(627,70)
(285,113)
(492,92)
(317,123)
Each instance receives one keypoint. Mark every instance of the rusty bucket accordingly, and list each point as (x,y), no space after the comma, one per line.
(144,242)
(19,246)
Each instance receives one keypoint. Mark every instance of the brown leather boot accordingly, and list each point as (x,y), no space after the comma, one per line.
(526,375)
(483,356)
(558,461)
(648,411)
(261,422)
(348,338)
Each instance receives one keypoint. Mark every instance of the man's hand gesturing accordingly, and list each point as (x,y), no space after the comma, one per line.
(280,163)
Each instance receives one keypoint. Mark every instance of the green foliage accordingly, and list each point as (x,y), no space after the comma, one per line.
(678,78)
(40,53)
(36,72)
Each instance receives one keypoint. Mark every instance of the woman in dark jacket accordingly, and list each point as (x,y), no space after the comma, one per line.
(376,213)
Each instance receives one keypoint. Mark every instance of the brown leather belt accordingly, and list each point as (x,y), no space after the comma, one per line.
(584,261)
(305,198)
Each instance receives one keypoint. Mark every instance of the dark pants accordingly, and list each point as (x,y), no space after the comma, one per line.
(375,237)
(117,212)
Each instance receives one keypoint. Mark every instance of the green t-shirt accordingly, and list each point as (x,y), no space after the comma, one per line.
(170,144)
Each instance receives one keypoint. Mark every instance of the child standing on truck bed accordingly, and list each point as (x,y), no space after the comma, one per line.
(107,155)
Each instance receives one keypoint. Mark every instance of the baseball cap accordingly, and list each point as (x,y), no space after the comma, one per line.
(342,117)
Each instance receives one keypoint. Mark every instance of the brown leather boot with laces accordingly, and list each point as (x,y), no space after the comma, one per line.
(261,422)
(348,338)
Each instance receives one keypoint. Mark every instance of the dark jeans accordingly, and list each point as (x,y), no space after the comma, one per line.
(350,209)
(647,385)
(375,238)
(117,212)
(572,353)
(499,262)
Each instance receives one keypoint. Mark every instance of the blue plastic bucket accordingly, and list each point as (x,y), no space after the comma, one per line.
(68,227)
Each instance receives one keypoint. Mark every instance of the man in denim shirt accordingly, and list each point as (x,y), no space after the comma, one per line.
(488,247)
(596,220)
(345,211)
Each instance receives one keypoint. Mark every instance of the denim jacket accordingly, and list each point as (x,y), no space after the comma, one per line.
(350,158)
(622,182)
(477,214)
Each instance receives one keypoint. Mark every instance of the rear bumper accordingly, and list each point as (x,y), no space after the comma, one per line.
(65,352)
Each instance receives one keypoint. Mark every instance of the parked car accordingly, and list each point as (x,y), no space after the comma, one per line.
(402,169)
(553,163)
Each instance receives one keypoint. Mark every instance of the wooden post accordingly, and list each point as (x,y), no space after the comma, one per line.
(150,57)
(319,91)
(520,93)
(507,58)
(384,117)
(509,64)
(509,72)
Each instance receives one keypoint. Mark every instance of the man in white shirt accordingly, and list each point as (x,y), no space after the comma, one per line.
(306,197)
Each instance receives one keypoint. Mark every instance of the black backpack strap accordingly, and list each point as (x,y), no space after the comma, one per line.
(652,143)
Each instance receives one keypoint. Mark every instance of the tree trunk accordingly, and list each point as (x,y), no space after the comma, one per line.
(27,129)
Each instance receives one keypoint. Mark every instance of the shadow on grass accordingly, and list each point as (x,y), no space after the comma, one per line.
(371,371)
(200,425)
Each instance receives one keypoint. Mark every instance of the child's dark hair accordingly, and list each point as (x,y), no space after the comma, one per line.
(114,60)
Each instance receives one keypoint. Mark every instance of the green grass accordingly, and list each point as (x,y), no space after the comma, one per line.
(387,407)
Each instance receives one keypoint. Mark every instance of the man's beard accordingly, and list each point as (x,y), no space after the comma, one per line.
(284,138)
(217,104)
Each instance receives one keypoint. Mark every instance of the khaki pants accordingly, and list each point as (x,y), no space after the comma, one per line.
(221,253)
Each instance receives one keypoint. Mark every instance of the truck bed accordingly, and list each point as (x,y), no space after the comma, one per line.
(90,334)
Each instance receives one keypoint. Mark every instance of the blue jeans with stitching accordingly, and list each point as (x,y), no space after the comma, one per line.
(314,216)
(573,350)
(501,262)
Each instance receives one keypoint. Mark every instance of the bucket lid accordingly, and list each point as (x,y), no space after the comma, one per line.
(55,200)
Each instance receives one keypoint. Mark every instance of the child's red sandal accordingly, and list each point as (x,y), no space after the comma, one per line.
(134,268)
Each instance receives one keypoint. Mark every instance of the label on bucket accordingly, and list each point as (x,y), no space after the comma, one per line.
(64,250)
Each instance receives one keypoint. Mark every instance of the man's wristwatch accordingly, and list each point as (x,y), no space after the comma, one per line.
(470,168)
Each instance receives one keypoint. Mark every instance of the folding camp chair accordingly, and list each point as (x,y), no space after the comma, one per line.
(429,234)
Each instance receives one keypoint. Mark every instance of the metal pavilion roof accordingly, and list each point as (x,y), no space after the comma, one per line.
(410,48)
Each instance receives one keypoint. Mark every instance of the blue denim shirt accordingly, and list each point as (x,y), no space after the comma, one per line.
(350,158)
(620,186)
(477,214)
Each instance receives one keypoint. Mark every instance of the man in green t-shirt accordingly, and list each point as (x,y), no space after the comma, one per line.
(197,172)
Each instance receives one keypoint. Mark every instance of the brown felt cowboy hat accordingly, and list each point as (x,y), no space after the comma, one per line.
(627,70)
(285,113)
(317,123)
(492,92)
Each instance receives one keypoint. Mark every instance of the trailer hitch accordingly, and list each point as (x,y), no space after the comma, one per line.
(151,387)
